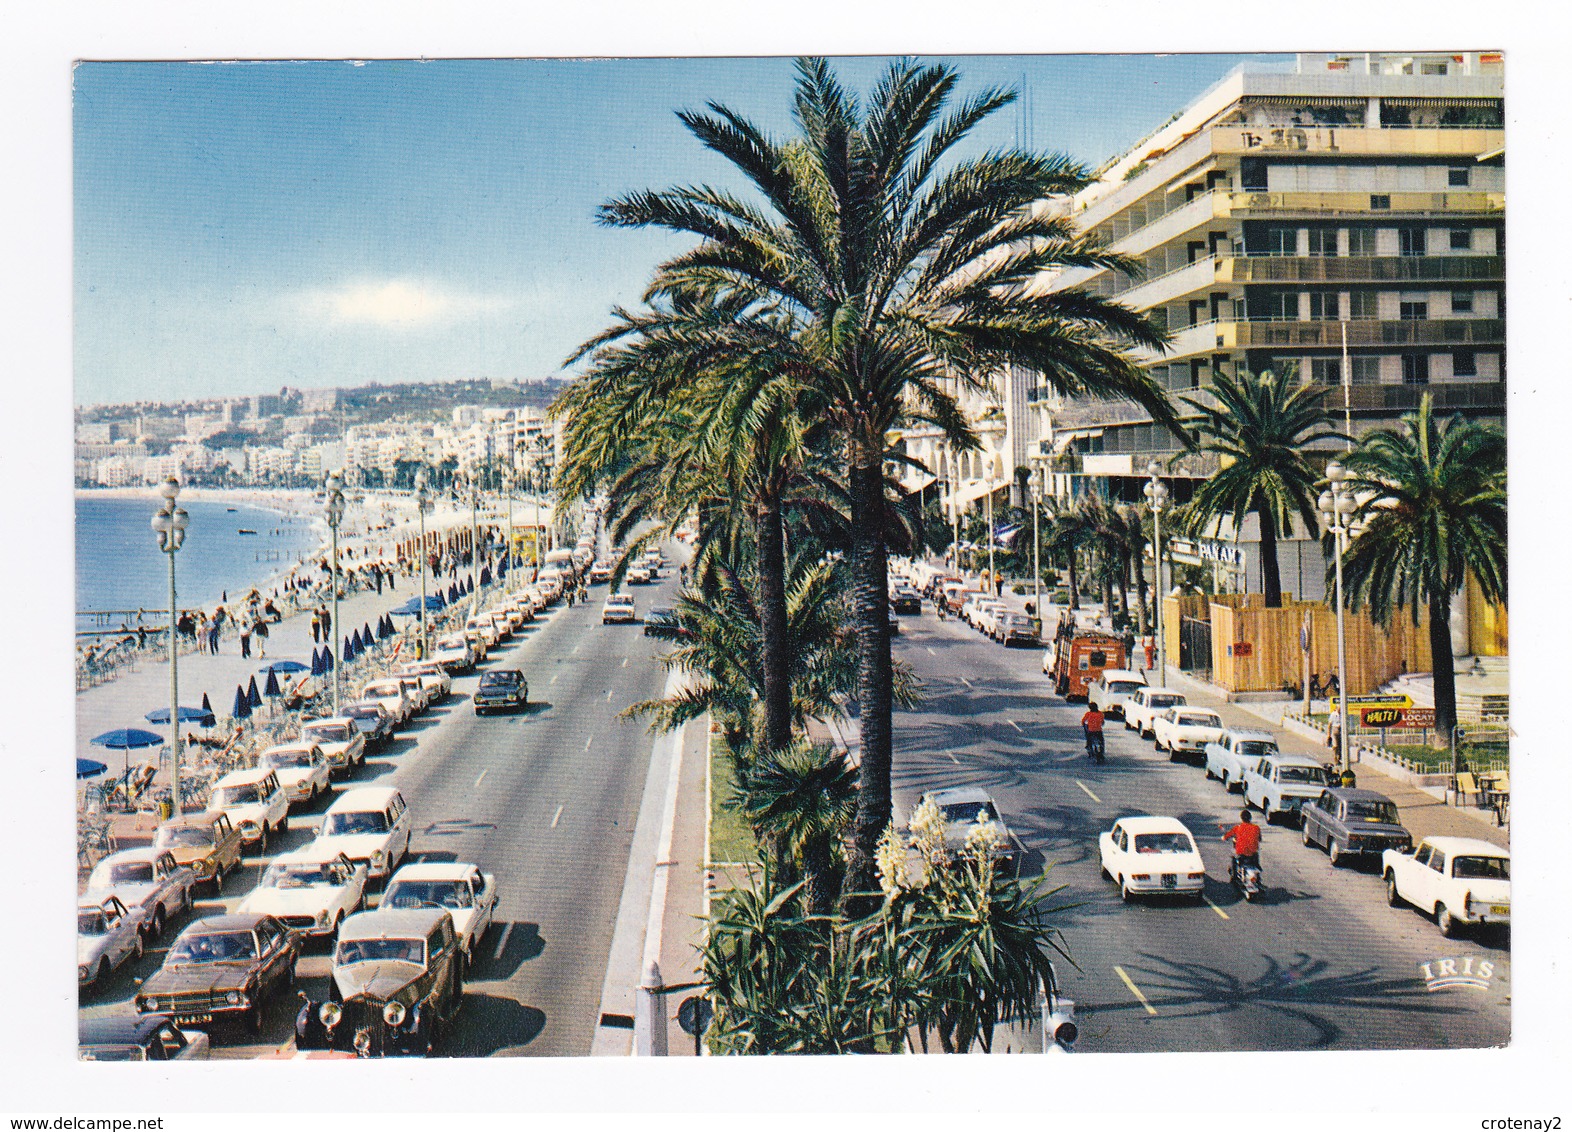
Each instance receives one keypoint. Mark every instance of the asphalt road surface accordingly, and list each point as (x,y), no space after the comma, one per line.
(1320,963)
(546,800)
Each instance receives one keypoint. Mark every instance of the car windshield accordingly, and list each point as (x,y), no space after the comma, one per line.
(329,733)
(1255,747)
(966,811)
(370,950)
(1364,809)
(364,713)
(90,921)
(368,821)
(298,876)
(427,894)
(1164,701)
(1197,719)
(493,678)
(242,795)
(183,837)
(1123,687)
(112,1053)
(1307,774)
(378,691)
(121,872)
(1163,843)
(1481,868)
(213,947)
(283,760)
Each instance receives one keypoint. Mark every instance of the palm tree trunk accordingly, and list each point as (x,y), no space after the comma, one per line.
(1075,580)
(1271,582)
(1140,590)
(775,648)
(870,591)
(1445,680)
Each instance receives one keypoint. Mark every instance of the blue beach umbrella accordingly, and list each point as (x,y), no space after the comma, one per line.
(87,768)
(453,593)
(346,651)
(203,717)
(207,706)
(358,642)
(242,708)
(127,739)
(316,662)
(485,575)
(271,690)
(327,660)
(285,666)
(365,631)
(254,696)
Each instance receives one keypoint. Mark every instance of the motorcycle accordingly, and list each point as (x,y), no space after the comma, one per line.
(1246,878)
(1094,746)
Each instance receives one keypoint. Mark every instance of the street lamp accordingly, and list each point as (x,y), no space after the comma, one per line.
(995,470)
(423,504)
(1037,566)
(169,523)
(1157,497)
(1337,507)
(333,511)
(474,532)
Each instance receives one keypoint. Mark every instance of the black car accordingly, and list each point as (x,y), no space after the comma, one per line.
(142,1037)
(502,689)
(374,723)
(1351,823)
(657,620)
(223,968)
(906,600)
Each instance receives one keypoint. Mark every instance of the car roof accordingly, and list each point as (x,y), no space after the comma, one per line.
(228,922)
(292,745)
(311,853)
(143,853)
(118,1029)
(362,797)
(1251,733)
(1122,674)
(960,794)
(435,870)
(244,777)
(1468,845)
(1286,758)
(1353,795)
(330,719)
(1159,690)
(1203,709)
(380,923)
(1147,823)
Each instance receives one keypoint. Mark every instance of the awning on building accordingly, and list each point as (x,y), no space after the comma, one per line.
(1062,438)
(918,481)
(973,490)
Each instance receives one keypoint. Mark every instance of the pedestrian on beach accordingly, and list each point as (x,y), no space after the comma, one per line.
(327,625)
(245,641)
(316,627)
(212,635)
(261,634)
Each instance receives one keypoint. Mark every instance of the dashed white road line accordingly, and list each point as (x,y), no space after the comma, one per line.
(953,759)
(482,775)
(556,817)
(1015,725)
(1088,791)
(930,650)
(1135,990)
(578,646)
(624,662)
(609,691)
(588,741)
(554,678)
(1215,908)
(502,941)
(968,683)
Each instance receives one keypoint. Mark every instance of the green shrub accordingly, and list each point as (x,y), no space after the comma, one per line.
(1017,589)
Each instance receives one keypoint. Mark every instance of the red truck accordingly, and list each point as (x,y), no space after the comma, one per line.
(1079,656)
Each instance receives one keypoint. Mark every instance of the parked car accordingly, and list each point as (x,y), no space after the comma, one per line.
(1151,856)
(392,697)
(371,826)
(1232,751)
(502,622)
(223,967)
(618,608)
(397,982)
(303,770)
(372,721)
(340,738)
(639,575)
(1145,703)
(469,895)
(485,628)
(986,619)
(1016,629)
(254,802)
(107,934)
(436,682)
(970,606)
(1185,732)
(147,1037)
(963,808)
(906,600)
(1458,880)
(420,694)
(1351,823)
(454,653)
(147,881)
(1281,784)
(1111,690)
(503,689)
(310,889)
(599,572)
(208,844)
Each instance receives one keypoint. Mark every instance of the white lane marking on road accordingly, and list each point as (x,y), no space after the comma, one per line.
(609,691)
(502,941)
(1088,791)
(1135,990)
(953,759)
(624,662)
(968,683)
(556,817)
(1216,909)
(578,646)
(1068,758)
(554,678)
(588,741)
(1015,725)
(930,650)
(482,775)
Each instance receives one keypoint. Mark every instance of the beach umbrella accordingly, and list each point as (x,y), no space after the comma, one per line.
(347,651)
(253,695)
(87,768)
(327,660)
(202,717)
(285,666)
(242,708)
(384,627)
(453,593)
(358,642)
(271,690)
(316,662)
(365,634)
(207,706)
(127,739)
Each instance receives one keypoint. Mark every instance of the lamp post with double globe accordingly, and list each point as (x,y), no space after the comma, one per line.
(423,504)
(1157,498)
(1337,506)
(333,512)
(169,523)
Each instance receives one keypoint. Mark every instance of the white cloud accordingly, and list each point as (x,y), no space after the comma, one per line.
(397,304)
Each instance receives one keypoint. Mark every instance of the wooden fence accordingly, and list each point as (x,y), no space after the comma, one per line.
(1255,649)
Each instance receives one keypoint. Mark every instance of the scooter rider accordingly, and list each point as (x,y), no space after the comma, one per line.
(1092,728)
(1246,837)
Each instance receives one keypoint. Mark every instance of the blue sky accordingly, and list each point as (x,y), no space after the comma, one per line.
(243,226)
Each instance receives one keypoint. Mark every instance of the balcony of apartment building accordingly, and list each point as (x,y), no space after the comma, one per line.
(1230,334)
(1390,400)
(1360,269)
(1361,204)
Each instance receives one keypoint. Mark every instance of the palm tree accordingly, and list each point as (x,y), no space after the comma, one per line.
(1260,426)
(1433,509)
(798,801)
(897,280)
(1067,535)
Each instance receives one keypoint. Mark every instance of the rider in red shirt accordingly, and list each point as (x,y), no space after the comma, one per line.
(1092,721)
(1246,837)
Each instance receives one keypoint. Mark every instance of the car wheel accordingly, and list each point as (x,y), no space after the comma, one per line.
(1173,756)
(1106,874)
(218,880)
(1333,853)
(1394,898)
(101,973)
(1124,892)
(138,948)
(252,1020)
(262,841)
(1208,769)
(156,926)
(1146,732)
(1449,924)
(1304,834)
(1222,776)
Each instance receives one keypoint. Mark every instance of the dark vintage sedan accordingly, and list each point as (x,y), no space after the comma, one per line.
(1353,823)
(906,600)
(223,967)
(397,982)
(503,689)
(373,721)
(146,1037)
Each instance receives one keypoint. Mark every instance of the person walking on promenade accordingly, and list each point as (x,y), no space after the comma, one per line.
(245,641)
(377,570)
(316,627)
(212,634)
(327,625)
(1151,651)
(261,632)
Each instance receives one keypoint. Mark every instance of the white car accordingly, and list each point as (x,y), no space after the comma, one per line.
(638,575)
(481,633)
(340,738)
(1280,784)
(303,770)
(147,881)
(600,572)
(420,692)
(1151,856)
(963,808)
(1184,732)
(370,825)
(502,621)
(453,653)
(1458,880)
(619,608)
(1144,703)
(438,685)
(311,889)
(107,933)
(1234,750)
(253,801)
(986,617)
(469,895)
(390,695)
(1112,690)
(970,608)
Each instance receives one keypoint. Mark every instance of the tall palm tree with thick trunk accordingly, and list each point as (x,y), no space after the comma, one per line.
(902,273)
(1260,426)
(1433,511)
